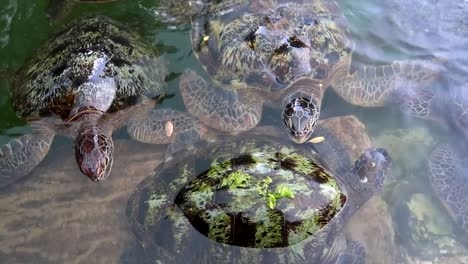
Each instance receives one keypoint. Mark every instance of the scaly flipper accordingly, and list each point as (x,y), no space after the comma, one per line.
(450,181)
(225,110)
(21,155)
(165,126)
(372,86)
(354,254)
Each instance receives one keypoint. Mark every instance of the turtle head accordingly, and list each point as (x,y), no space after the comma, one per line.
(370,170)
(300,115)
(93,152)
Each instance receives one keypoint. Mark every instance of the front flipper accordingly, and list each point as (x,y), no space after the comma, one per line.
(354,254)
(225,110)
(165,126)
(372,86)
(21,155)
(448,178)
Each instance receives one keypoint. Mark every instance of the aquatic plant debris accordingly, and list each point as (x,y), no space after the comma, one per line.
(281,191)
(169,128)
(236,180)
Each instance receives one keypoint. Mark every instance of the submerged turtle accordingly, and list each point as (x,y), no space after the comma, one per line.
(85,83)
(425,230)
(431,216)
(255,198)
(260,52)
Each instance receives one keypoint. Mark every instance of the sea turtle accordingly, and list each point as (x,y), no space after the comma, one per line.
(429,200)
(84,83)
(429,204)
(284,53)
(255,198)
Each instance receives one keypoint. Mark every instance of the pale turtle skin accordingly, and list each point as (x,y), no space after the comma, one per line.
(286,54)
(87,81)
(169,209)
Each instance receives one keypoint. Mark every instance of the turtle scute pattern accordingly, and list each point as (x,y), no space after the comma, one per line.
(269,43)
(219,191)
(262,52)
(88,80)
(449,181)
(92,47)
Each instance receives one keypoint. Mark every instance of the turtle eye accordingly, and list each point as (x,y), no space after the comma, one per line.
(288,110)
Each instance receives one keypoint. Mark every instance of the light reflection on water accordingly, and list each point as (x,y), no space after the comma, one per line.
(56,215)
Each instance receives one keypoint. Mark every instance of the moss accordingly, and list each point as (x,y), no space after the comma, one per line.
(183,178)
(181,226)
(425,210)
(218,169)
(235,180)
(219,227)
(269,232)
(308,227)
(301,163)
(281,191)
(431,228)
(154,203)
(203,195)
(263,184)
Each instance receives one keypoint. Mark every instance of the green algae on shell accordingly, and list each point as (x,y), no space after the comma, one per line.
(249,192)
(250,198)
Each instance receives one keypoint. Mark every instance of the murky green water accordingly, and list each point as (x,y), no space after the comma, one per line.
(56,215)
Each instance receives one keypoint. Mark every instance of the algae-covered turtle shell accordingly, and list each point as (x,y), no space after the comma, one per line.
(88,50)
(255,198)
(285,53)
(86,81)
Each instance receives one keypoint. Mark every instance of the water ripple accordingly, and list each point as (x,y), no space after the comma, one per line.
(6,15)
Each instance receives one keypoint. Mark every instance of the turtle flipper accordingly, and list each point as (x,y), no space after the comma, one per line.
(21,155)
(165,126)
(449,180)
(228,111)
(372,86)
(354,254)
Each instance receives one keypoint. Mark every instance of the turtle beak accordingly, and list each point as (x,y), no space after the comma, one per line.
(300,117)
(93,152)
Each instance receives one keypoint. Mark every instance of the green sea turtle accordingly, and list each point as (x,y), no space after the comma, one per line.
(429,202)
(87,81)
(255,198)
(284,53)
(430,211)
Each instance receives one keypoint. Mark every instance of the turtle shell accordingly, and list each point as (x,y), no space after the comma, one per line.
(267,44)
(249,199)
(90,50)
(264,199)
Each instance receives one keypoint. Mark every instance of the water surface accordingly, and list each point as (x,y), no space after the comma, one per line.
(56,215)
